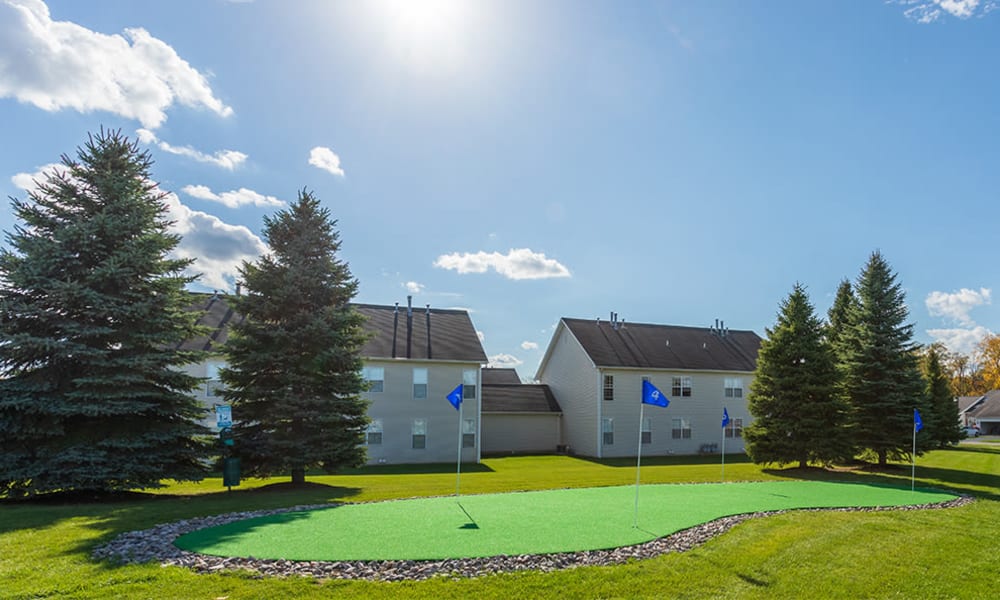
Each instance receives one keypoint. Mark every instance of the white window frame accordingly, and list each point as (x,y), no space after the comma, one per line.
(679,384)
(420,383)
(470,377)
(609,388)
(374,429)
(468,433)
(735,428)
(734,387)
(608,431)
(646,433)
(418,434)
(680,428)
(375,376)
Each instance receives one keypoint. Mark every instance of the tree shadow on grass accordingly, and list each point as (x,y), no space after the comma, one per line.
(416,469)
(895,475)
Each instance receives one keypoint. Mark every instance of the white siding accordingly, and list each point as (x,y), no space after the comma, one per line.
(397,408)
(520,433)
(703,408)
(571,376)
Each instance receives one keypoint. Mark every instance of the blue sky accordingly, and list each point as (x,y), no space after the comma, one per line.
(675,162)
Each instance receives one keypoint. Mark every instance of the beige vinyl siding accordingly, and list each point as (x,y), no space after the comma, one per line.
(397,408)
(703,409)
(520,433)
(571,376)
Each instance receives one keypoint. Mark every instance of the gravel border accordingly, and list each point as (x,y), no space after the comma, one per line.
(156,544)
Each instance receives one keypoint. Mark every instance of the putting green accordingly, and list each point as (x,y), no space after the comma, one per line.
(543,522)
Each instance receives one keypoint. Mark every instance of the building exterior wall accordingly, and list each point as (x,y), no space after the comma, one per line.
(206,392)
(571,376)
(520,433)
(397,409)
(702,409)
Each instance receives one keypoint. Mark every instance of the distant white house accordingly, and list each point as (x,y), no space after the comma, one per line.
(981,412)
(595,371)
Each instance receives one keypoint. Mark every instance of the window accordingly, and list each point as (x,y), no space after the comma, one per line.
(375,376)
(609,387)
(419,383)
(469,433)
(419,433)
(374,436)
(735,428)
(681,386)
(213,387)
(608,428)
(680,429)
(647,431)
(469,384)
(734,387)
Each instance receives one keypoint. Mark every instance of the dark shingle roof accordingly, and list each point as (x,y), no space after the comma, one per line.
(644,345)
(990,408)
(498,376)
(215,314)
(452,334)
(519,398)
(966,402)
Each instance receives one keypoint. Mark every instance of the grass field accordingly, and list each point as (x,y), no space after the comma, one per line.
(44,549)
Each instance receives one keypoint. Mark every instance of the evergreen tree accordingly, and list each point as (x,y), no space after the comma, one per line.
(91,392)
(941,422)
(839,317)
(294,375)
(798,416)
(881,378)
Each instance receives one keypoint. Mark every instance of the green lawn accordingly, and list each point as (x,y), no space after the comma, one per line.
(44,549)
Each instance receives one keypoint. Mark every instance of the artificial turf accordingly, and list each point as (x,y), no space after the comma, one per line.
(540,522)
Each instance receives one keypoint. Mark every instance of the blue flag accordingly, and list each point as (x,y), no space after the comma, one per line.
(725,417)
(651,395)
(455,397)
(917,423)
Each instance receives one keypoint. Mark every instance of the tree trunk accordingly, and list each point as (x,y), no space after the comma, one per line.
(298,475)
(882,457)
(803,463)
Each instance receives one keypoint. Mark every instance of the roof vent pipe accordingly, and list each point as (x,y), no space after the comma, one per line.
(429,331)
(395,325)
(409,325)
(722,328)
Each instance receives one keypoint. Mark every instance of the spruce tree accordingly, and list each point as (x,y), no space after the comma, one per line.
(797,414)
(941,421)
(839,317)
(881,378)
(91,392)
(294,375)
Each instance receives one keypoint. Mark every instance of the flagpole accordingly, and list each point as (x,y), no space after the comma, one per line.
(723,453)
(913,458)
(458,463)
(638,462)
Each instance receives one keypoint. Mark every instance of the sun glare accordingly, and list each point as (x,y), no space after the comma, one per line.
(427,33)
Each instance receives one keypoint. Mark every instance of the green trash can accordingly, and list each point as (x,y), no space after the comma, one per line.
(231,472)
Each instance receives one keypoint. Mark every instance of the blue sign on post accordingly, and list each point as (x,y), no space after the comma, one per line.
(223,416)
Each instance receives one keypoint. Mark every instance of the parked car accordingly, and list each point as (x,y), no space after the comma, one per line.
(971,432)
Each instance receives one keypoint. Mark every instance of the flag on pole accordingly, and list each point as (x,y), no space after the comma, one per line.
(917,423)
(725,417)
(455,397)
(651,395)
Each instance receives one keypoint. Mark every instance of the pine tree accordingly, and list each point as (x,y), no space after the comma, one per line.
(941,421)
(839,315)
(797,413)
(881,377)
(91,392)
(294,376)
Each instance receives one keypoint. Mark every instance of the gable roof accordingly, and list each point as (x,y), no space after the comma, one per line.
(520,397)
(493,376)
(215,314)
(989,408)
(452,335)
(651,346)
(967,402)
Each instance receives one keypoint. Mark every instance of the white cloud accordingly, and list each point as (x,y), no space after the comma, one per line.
(481,336)
(504,361)
(325,159)
(233,198)
(963,341)
(526,345)
(227,159)
(929,11)
(58,64)
(26,181)
(413,287)
(956,305)
(518,263)
(218,247)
